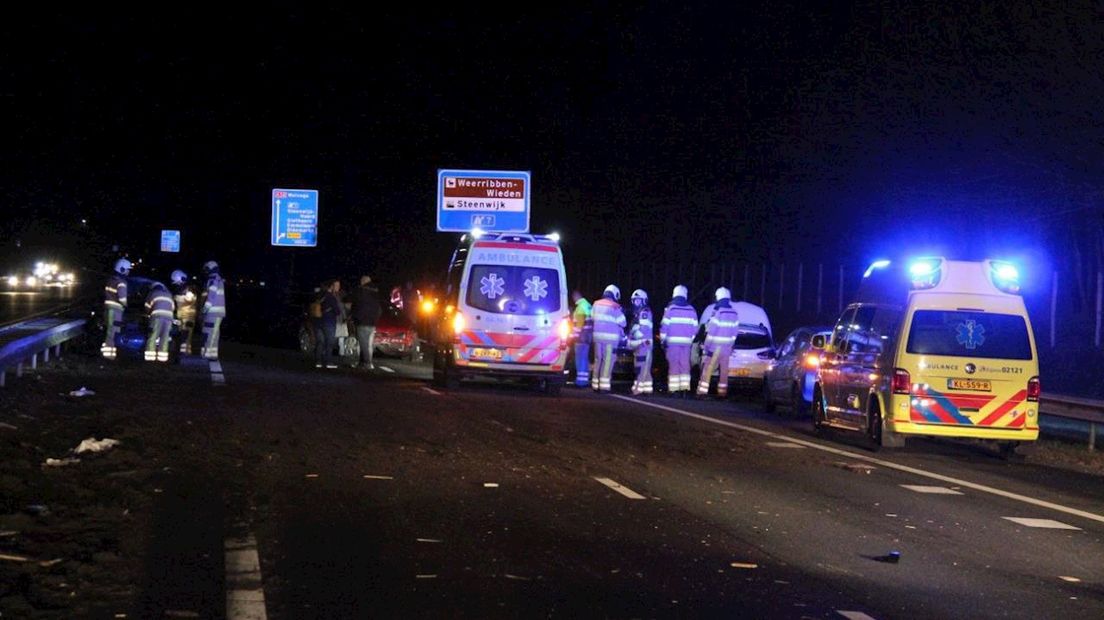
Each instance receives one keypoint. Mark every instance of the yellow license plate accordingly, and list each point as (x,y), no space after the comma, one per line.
(740,372)
(976,385)
(486,354)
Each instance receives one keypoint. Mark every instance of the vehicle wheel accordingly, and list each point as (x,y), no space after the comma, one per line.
(551,388)
(306,342)
(820,420)
(874,428)
(1008,449)
(797,401)
(768,402)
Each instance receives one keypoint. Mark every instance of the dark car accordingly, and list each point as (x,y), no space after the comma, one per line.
(131,338)
(792,374)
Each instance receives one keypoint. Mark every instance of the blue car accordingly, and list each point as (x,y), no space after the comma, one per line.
(792,372)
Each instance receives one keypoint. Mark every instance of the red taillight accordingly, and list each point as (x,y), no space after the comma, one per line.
(812,360)
(902,382)
(1034,389)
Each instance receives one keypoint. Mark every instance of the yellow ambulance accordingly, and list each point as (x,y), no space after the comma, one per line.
(933,347)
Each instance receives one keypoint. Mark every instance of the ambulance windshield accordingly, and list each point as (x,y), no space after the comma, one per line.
(504,289)
(969,334)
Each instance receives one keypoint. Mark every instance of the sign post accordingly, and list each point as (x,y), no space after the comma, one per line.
(295,218)
(491,200)
(170,240)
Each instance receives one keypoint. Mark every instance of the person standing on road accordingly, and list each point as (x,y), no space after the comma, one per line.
(640,341)
(676,333)
(185,299)
(366,311)
(609,330)
(333,311)
(720,337)
(115,301)
(582,331)
(159,309)
(214,309)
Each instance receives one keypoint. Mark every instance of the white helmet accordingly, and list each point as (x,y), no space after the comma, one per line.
(680,291)
(639,294)
(123,266)
(210,267)
(179,277)
(723,293)
(613,290)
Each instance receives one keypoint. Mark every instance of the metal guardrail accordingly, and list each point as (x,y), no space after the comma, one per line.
(1074,408)
(24,342)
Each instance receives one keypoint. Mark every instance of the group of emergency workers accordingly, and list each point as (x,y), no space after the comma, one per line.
(164,308)
(604,325)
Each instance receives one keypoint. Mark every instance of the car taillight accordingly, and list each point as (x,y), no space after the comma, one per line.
(1034,389)
(812,360)
(458,323)
(564,329)
(902,382)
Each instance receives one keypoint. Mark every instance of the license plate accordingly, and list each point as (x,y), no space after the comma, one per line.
(976,385)
(486,354)
(741,372)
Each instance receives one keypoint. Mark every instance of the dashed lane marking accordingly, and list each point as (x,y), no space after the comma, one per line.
(887,464)
(1049,524)
(218,378)
(431,390)
(387,369)
(784,444)
(375,477)
(854,615)
(244,590)
(934,490)
(216,366)
(620,488)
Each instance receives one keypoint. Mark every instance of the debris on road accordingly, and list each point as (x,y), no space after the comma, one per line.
(892,557)
(37,510)
(372,477)
(312,475)
(61,462)
(82,392)
(1070,579)
(9,427)
(427,540)
(744,565)
(858,468)
(14,558)
(425,576)
(516,577)
(490,485)
(95,445)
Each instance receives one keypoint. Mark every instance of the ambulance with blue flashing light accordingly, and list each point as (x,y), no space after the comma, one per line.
(506,311)
(933,347)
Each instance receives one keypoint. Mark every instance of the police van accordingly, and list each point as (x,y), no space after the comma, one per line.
(933,347)
(506,311)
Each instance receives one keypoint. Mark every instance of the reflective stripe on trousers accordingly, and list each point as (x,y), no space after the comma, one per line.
(582,363)
(678,368)
(157,344)
(643,383)
(211,325)
(603,367)
(717,361)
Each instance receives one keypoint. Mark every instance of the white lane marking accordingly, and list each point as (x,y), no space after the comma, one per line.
(425,576)
(431,390)
(428,540)
(244,589)
(623,490)
(854,615)
(216,366)
(920,488)
(784,444)
(374,477)
(218,378)
(1043,523)
(386,369)
(490,485)
(891,465)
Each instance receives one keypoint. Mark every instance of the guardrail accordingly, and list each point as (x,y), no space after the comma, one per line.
(26,341)
(1073,408)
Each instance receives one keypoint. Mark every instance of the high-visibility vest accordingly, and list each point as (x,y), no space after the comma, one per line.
(679,324)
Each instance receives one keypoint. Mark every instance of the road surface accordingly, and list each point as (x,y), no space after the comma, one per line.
(15,305)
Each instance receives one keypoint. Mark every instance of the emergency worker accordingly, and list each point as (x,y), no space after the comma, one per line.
(185,299)
(609,330)
(676,333)
(214,310)
(720,337)
(582,331)
(159,309)
(115,301)
(640,341)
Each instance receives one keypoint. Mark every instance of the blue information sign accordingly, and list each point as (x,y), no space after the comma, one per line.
(295,217)
(492,200)
(170,240)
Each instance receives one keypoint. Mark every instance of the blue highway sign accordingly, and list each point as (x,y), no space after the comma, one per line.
(295,217)
(492,200)
(170,240)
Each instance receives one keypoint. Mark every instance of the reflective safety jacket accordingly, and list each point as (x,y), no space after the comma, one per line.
(115,291)
(679,324)
(215,302)
(159,304)
(721,329)
(582,328)
(643,329)
(185,299)
(609,322)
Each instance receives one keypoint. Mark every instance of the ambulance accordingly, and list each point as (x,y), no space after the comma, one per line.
(933,347)
(506,311)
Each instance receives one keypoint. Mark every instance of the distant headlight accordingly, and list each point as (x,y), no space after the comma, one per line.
(13,281)
(32,281)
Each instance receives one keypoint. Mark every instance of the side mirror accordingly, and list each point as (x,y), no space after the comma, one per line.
(767,355)
(819,341)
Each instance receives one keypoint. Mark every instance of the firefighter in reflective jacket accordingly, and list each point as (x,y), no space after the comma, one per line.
(115,301)
(185,299)
(720,337)
(676,333)
(640,341)
(214,310)
(582,331)
(159,309)
(609,330)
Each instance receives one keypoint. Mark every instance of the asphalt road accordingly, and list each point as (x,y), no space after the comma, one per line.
(347,494)
(15,305)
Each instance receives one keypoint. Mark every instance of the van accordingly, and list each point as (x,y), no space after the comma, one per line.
(507,313)
(933,347)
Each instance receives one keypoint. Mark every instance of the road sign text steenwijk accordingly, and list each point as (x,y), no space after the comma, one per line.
(295,217)
(491,200)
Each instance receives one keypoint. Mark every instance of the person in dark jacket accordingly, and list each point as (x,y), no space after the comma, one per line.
(333,312)
(366,311)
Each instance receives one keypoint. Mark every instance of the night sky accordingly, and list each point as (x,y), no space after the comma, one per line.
(653,132)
